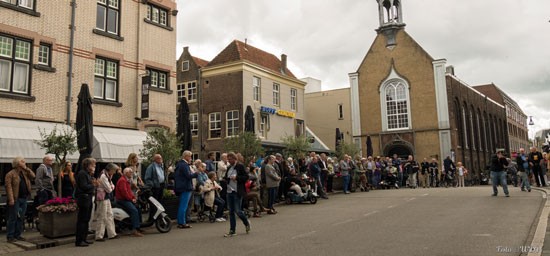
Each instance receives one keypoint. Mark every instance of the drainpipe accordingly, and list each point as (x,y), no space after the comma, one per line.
(71,52)
(199,106)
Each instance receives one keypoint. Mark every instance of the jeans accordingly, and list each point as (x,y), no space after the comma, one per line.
(497,177)
(133,211)
(220,203)
(16,215)
(346,183)
(525,180)
(272,193)
(537,171)
(234,202)
(320,189)
(182,209)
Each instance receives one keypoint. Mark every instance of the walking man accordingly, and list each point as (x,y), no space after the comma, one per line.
(236,178)
(498,173)
(522,161)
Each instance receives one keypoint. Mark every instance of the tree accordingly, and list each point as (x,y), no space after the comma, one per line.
(246,143)
(296,147)
(59,142)
(349,149)
(161,141)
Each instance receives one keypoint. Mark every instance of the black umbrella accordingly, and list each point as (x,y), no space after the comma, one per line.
(369,146)
(84,124)
(338,138)
(184,125)
(249,120)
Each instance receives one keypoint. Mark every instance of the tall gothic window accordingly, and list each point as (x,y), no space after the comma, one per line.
(396,105)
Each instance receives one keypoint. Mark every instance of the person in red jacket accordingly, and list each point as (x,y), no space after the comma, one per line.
(125,197)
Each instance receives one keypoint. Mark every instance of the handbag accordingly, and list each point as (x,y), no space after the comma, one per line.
(100,194)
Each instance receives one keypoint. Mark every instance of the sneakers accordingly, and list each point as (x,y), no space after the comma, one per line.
(136,234)
(231,233)
(220,220)
(507,195)
(248,228)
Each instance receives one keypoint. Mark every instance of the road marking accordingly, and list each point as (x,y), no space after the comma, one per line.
(482,235)
(391,206)
(410,199)
(342,222)
(425,194)
(369,213)
(304,234)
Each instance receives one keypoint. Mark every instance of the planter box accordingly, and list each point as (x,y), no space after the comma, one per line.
(171,206)
(53,224)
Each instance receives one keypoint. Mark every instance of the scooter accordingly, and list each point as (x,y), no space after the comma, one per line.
(389,182)
(292,197)
(162,222)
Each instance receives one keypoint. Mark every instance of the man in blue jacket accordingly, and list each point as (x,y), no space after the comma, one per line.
(154,178)
(183,179)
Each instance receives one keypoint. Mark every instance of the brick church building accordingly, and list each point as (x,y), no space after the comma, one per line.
(412,104)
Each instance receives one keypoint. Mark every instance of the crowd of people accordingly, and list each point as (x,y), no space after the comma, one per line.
(237,185)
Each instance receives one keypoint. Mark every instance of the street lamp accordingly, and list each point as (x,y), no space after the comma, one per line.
(531,124)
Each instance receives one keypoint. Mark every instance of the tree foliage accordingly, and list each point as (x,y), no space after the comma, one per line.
(59,142)
(344,148)
(161,141)
(246,143)
(296,147)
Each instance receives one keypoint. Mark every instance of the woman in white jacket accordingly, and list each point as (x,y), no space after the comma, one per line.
(104,213)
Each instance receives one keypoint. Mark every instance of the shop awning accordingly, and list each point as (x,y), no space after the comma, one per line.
(17,138)
(115,144)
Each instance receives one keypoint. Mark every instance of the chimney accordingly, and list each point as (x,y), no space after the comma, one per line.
(283,63)
(186,49)
(450,70)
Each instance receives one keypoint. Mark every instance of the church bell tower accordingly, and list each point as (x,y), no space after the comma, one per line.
(390,15)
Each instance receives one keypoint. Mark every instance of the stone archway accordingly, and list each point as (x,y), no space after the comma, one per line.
(402,148)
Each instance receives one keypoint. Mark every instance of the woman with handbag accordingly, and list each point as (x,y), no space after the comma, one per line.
(104,213)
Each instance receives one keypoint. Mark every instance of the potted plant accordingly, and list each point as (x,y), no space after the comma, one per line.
(57,217)
(170,203)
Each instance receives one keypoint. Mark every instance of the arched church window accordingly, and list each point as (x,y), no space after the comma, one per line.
(396,104)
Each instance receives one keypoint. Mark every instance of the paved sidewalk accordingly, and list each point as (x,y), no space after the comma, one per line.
(34,241)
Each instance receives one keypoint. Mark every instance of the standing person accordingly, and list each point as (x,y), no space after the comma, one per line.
(434,173)
(315,170)
(461,172)
(155,179)
(222,168)
(210,164)
(18,190)
(370,165)
(104,212)
(345,170)
(126,198)
(272,182)
(133,163)
(397,163)
(66,178)
(449,171)
(522,161)
(44,181)
(236,178)
(184,186)
(535,162)
(424,173)
(331,173)
(498,173)
(84,191)
(324,170)
(411,166)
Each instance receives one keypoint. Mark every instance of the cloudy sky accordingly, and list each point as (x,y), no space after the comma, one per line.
(506,42)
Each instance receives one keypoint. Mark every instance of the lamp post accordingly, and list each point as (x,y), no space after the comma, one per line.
(531,124)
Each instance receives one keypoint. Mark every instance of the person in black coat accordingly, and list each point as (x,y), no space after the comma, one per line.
(84,191)
(236,178)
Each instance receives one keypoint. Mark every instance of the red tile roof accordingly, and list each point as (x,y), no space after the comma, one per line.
(238,50)
(200,62)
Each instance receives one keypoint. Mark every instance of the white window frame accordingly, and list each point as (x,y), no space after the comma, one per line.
(257,88)
(395,81)
(192,91)
(17,57)
(276,94)
(44,52)
(159,78)
(194,120)
(232,123)
(185,66)
(293,99)
(181,90)
(107,5)
(263,126)
(105,78)
(214,125)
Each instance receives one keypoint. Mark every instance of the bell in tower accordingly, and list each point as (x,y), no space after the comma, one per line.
(391,20)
